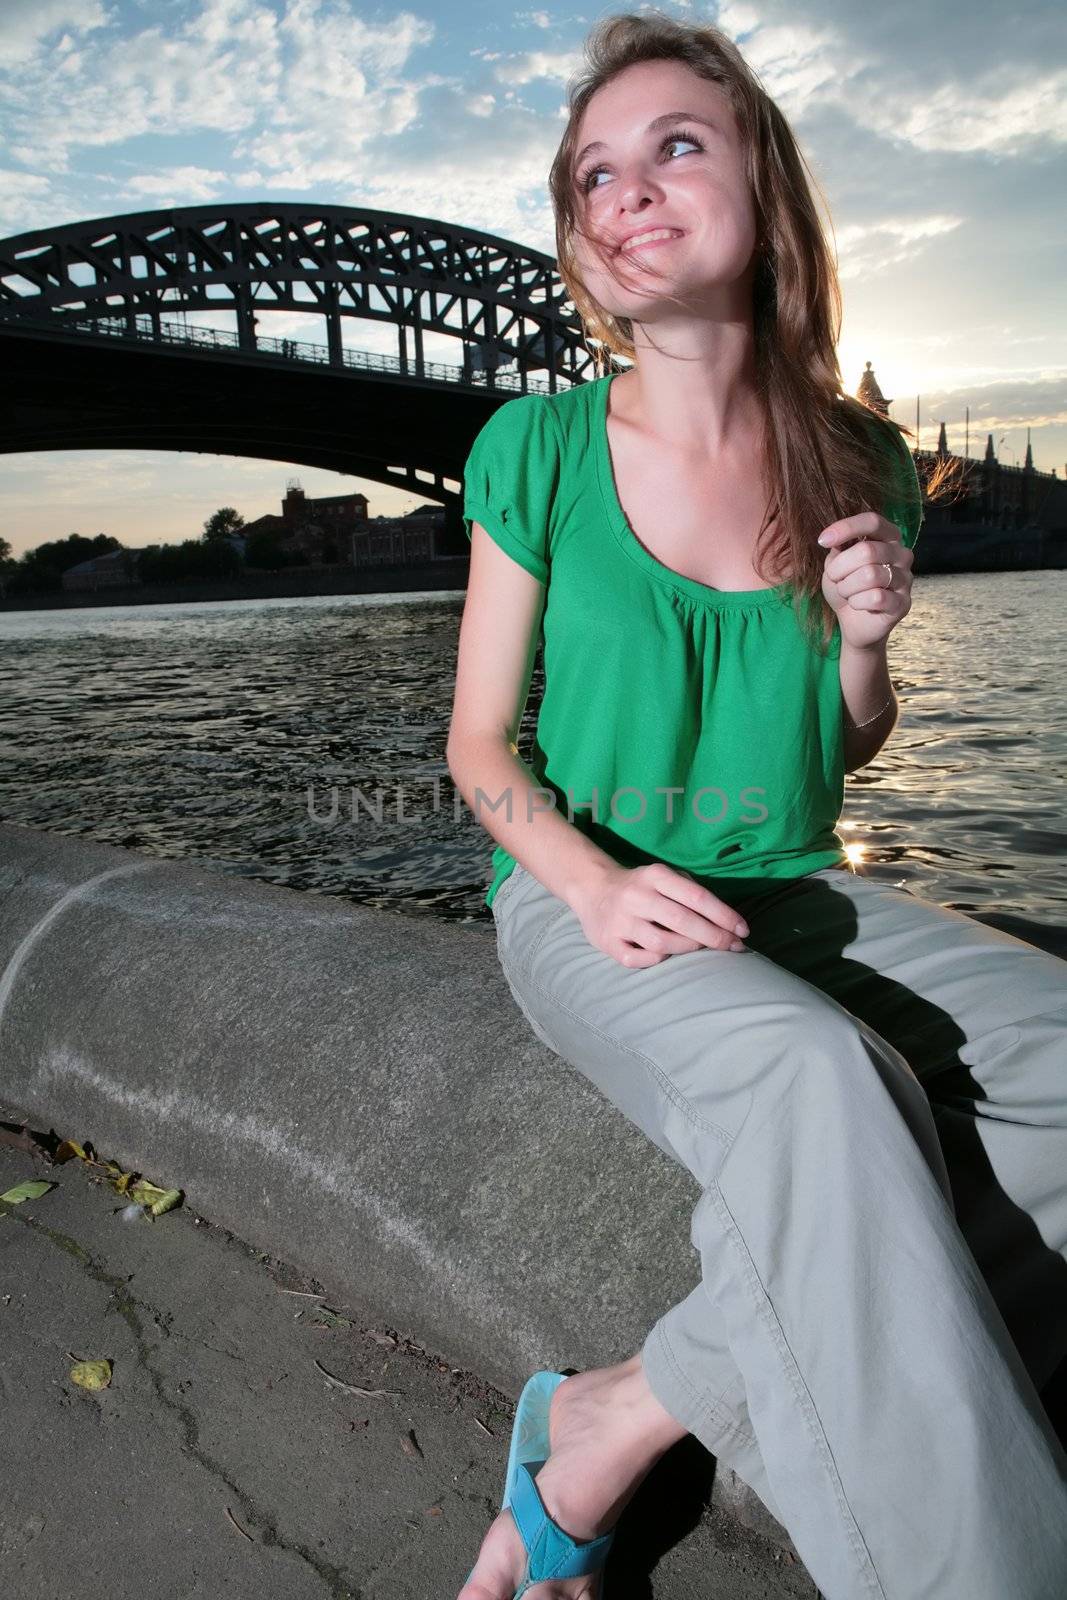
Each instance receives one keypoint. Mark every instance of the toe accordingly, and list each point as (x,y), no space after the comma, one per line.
(501,1563)
(480,1586)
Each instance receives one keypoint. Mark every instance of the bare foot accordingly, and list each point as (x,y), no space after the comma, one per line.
(606,1430)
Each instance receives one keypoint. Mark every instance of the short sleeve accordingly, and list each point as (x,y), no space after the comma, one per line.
(904,506)
(510,478)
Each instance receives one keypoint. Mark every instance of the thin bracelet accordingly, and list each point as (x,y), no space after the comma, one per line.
(877,714)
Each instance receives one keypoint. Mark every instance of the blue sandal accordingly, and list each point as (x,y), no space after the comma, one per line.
(551,1552)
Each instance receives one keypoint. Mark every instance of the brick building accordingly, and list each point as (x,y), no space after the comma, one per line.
(335,530)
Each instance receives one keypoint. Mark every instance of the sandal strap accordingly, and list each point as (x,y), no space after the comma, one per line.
(553,1553)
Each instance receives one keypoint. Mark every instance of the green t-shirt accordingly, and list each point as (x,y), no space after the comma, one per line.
(679,723)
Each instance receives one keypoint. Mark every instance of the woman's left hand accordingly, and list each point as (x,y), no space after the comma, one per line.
(868,581)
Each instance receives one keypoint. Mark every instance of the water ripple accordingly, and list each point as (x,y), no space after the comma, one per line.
(217,733)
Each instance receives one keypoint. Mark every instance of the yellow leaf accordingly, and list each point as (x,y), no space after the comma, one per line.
(67,1149)
(144,1192)
(156,1200)
(32,1189)
(91,1374)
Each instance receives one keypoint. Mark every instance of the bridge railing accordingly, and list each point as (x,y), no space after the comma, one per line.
(146,328)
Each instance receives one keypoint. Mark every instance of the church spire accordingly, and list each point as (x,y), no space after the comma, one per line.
(871,394)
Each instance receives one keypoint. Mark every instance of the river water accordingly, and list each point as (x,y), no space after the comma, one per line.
(221,732)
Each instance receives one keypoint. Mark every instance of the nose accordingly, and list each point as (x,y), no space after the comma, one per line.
(637,188)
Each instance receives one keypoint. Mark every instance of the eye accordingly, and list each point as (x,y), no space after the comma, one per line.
(679,137)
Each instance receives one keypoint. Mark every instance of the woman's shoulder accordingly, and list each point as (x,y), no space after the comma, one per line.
(523,421)
(517,440)
(573,405)
(546,423)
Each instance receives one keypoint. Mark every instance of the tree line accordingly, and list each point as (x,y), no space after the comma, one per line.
(211,555)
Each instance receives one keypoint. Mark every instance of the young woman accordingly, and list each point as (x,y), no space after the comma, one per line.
(870,1088)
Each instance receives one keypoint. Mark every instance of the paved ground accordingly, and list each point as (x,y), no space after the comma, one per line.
(259,1439)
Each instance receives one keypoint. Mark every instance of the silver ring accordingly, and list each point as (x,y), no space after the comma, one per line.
(889,569)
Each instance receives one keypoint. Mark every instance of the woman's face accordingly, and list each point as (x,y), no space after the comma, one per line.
(644,173)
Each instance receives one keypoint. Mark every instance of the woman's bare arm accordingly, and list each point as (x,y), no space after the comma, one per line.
(497,647)
(639,915)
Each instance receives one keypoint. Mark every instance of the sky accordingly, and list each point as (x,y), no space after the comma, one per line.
(937,136)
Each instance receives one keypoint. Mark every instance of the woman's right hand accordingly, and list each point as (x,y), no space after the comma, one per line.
(641,915)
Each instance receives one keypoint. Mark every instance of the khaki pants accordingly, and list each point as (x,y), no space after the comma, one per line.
(873,1099)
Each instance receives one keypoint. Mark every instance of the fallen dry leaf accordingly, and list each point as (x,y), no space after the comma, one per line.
(32,1189)
(410,1445)
(91,1374)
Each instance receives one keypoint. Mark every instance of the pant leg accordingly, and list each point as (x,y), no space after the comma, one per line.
(981,1018)
(709,1391)
(901,1435)
(711,1400)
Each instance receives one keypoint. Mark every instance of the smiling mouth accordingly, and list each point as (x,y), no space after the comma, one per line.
(650,244)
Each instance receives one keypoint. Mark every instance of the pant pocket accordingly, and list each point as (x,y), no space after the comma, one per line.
(506,889)
(529,914)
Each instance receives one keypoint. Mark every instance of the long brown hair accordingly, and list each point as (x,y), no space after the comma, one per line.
(827,455)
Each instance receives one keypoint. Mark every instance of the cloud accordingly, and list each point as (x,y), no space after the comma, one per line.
(299,94)
(26,24)
(936,79)
(217,70)
(533,66)
(173,186)
(1007,402)
(991,114)
(866,248)
(344,92)
(21,193)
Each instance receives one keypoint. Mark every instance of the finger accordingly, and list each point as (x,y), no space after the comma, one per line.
(693,926)
(867,580)
(674,937)
(684,893)
(851,556)
(677,944)
(650,954)
(862,524)
(865,561)
(887,600)
(670,944)
(632,955)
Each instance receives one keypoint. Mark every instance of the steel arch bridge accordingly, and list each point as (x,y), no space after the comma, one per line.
(99,356)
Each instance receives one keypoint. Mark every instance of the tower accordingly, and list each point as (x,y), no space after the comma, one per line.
(871,394)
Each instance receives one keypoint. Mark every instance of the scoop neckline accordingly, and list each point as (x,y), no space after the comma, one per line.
(631,545)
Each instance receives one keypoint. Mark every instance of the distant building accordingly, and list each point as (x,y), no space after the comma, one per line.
(335,530)
(1006,515)
(115,570)
(398,541)
(318,529)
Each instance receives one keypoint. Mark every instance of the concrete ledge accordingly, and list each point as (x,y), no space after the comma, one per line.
(352,1090)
